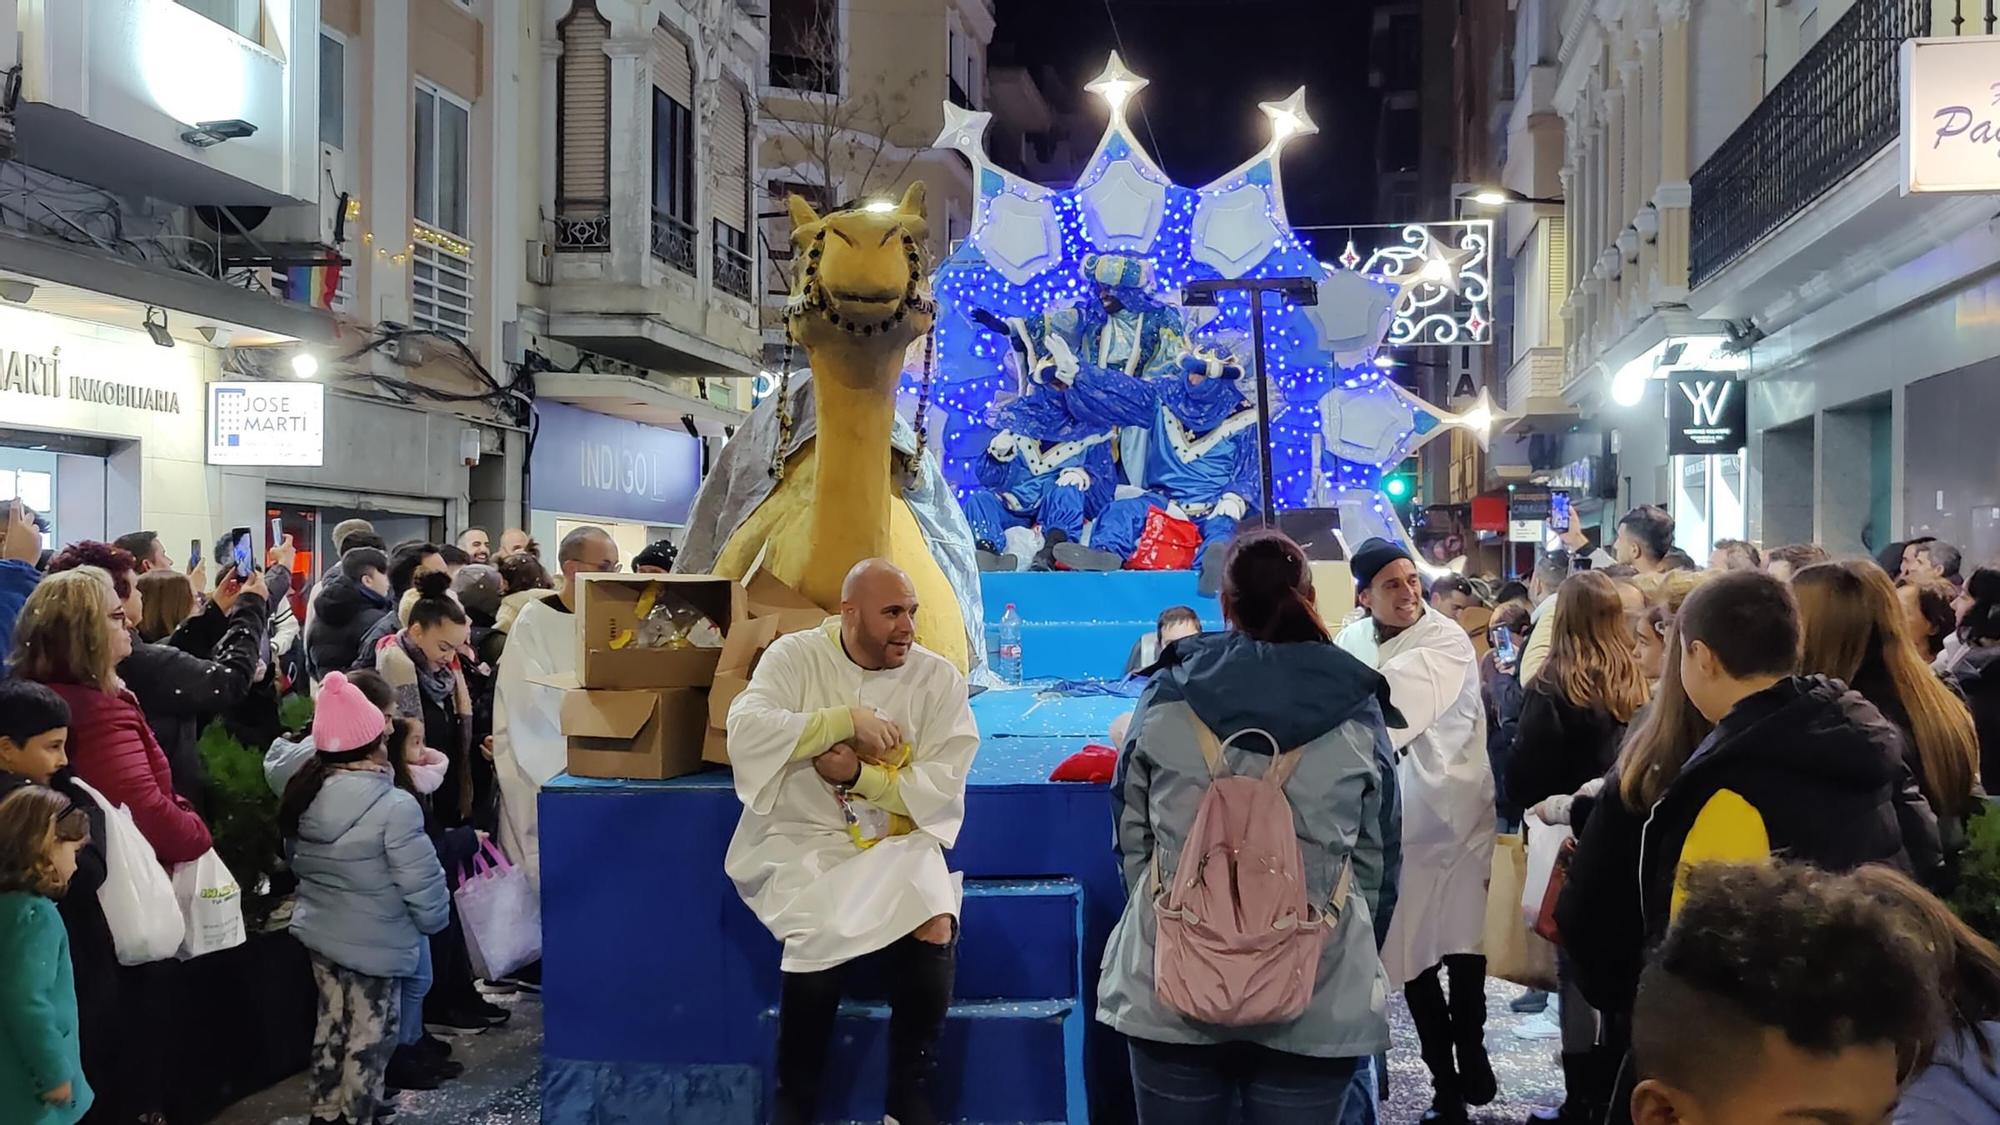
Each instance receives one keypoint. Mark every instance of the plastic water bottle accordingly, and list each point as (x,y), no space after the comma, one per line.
(1008,666)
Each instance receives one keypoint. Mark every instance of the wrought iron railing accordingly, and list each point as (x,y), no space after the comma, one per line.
(583,228)
(674,241)
(1834,111)
(732,270)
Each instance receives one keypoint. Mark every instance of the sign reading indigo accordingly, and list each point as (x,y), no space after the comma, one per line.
(590,464)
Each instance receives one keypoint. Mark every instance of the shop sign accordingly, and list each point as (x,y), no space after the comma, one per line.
(40,375)
(267,424)
(1524,531)
(591,464)
(1951,114)
(1529,505)
(1706,413)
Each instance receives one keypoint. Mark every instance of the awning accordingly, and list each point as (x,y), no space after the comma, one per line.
(640,400)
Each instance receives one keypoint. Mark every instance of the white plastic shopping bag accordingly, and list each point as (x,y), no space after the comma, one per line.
(212,905)
(138,898)
(501,914)
(1545,843)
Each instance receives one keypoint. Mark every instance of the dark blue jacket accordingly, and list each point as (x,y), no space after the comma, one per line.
(17,581)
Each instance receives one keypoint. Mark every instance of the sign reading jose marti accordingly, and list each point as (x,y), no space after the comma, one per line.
(1951,114)
(591,464)
(1706,413)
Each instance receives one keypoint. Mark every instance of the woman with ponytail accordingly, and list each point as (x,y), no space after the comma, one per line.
(1272,681)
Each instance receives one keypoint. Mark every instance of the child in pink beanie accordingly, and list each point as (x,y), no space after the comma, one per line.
(370,891)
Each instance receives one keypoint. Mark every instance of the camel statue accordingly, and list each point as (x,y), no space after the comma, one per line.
(860,298)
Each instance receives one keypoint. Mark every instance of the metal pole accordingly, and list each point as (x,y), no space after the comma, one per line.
(1263,410)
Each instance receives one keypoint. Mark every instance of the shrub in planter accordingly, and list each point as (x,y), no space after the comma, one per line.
(243,812)
(1977,896)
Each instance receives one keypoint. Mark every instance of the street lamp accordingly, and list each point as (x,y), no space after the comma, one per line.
(1500,197)
(1299,291)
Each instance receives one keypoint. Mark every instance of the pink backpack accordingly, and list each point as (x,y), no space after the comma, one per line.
(1238,943)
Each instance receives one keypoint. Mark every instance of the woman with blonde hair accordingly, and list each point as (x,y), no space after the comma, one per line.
(166,600)
(72,634)
(1854,630)
(1571,726)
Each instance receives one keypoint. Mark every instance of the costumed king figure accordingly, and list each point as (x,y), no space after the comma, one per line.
(1046,469)
(1130,332)
(851,749)
(1201,453)
(1447,792)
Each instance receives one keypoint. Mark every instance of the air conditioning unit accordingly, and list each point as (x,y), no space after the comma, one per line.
(541,262)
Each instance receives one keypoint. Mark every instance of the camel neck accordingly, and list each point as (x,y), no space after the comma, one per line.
(851,486)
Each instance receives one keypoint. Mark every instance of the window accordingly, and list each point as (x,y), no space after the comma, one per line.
(444,138)
(805,45)
(732,260)
(244,17)
(673,182)
(332,91)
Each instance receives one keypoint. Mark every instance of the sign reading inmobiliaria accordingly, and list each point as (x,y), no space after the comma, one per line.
(1951,114)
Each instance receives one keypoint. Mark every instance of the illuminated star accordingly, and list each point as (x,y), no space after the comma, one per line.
(964,130)
(1482,420)
(1116,84)
(1289,118)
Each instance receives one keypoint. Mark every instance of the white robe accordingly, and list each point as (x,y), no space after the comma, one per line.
(791,858)
(1447,789)
(528,743)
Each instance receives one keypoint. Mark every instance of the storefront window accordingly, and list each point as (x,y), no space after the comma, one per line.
(1708,502)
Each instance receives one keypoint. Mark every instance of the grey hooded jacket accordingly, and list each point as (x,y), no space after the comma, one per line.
(1343,796)
(370,887)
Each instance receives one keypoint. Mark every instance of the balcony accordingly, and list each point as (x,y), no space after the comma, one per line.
(732,270)
(111,91)
(1837,109)
(581,229)
(673,241)
(442,282)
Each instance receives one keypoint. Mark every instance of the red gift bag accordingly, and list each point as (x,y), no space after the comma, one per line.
(1167,543)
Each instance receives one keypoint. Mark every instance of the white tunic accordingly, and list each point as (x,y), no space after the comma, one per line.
(528,744)
(1447,789)
(792,858)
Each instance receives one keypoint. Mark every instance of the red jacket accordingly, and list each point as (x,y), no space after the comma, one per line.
(113,750)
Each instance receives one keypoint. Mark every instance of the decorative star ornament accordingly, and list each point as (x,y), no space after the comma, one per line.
(1289,118)
(1116,84)
(1483,420)
(964,132)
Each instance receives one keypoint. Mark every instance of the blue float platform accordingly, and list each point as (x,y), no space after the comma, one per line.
(660,988)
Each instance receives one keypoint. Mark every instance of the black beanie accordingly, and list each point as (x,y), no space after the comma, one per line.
(1369,560)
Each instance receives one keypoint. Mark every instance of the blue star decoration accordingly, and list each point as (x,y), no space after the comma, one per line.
(1027,248)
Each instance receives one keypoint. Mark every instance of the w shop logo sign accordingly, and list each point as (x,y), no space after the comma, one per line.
(1706,413)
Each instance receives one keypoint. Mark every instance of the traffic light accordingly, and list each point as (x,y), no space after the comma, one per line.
(1400,483)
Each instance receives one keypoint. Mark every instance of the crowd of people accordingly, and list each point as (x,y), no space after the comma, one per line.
(116,665)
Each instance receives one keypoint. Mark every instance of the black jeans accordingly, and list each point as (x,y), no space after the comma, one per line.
(921,974)
(1189,1084)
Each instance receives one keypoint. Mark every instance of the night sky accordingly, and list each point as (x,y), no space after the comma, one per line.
(1210,62)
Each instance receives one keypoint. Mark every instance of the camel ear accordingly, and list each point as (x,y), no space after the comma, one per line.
(913,201)
(803,215)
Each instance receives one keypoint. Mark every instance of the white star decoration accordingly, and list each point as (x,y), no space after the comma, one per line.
(1116,85)
(1289,118)
(965,132)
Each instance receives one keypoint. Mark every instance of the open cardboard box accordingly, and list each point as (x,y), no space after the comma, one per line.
(771,609)
(652,734)
(608,608)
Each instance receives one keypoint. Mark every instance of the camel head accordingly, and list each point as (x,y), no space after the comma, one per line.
(859,282)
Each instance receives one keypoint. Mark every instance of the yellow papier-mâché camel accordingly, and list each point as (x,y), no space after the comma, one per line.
(860,298)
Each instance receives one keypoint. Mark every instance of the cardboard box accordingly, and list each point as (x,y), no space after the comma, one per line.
(607,608)
(771,609)
(651,734)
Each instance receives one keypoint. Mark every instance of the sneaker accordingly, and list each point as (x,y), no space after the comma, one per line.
(386,1111)
(494,1014)
(408,1070)
(524,984)
(1537,1028)
(432,1048)
(455,1020)
(1076,556)
(496,987)
(991,562)
(1530,1001)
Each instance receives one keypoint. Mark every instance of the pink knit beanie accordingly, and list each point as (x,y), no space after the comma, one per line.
(343,719)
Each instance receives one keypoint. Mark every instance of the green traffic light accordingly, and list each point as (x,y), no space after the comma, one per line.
(1396,487)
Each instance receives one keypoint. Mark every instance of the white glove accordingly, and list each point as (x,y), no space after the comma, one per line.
(1230,505)
(1001,448)
(1073,478)
(1066,365)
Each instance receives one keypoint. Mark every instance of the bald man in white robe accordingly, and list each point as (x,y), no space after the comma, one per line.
(851,748)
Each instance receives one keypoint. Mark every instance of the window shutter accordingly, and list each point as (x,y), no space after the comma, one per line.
(672,70)
(732,160)
(586,109)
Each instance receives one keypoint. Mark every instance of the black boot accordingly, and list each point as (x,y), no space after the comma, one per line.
(916,1019)
(1428,1012)
(1045,559)
(1468,1028)
(806,1010)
